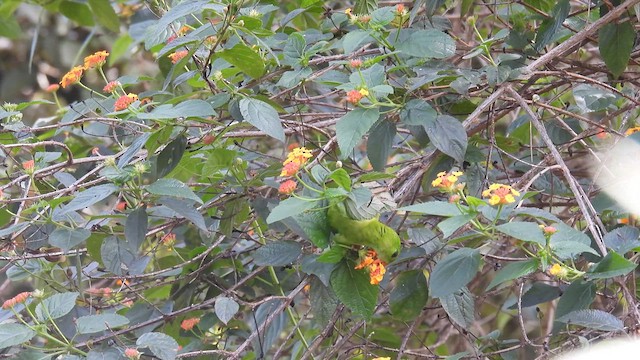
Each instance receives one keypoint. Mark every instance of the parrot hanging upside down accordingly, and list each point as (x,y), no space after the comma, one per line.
(370,233)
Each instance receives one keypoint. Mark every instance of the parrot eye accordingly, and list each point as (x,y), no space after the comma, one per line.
(394,255)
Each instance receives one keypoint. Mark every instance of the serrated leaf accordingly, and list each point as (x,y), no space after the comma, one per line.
(353,289)
(418,112)
(116,255)
(12,334)
(67,239)
(341,177)
(538,293)
(352,126)
(571,249)
(323,301)
(185,109)
(610,266)
(170,156)
(409,295)
(245,59)
(550,25)
(133,149)
(186,209)
(622,239)
(460,307)
(379,144)
(311,266)
(56,306)
(289,207)
(454,272)
(354,40)
(277,253)
(95,323)
(439,208)
(293,50)
(593,319)
(89,197)
(616,41)
(226,308)
(448,135)
(428,44)
(263,116)
(514,270)
(363,7)
(173,188)
(315,226)
(135,228)
(161,345)
(579,295)
(525,231)
(450,225)
(332,255)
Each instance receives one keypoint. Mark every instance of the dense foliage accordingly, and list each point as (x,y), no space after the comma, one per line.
(301,179)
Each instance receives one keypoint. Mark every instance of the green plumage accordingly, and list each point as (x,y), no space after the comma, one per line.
(370,233)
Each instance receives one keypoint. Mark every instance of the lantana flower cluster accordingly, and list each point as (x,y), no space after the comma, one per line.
(375,266)
(500,194)
(291,165)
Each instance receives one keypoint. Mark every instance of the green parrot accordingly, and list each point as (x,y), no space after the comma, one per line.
(370,233)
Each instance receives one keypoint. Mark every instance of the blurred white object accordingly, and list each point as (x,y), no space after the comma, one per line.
(619,174)
(617,349)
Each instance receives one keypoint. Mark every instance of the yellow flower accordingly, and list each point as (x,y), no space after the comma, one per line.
(364,92)
(632,130)
(558,271)
(299,156)
(375,266)
(500,194)
(446,181)
(95,60)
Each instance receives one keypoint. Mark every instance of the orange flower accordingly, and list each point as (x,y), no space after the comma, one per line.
(400,8)
(500,194)
(549,230)
(29,166)
(72,77)
(354,96)
(188,324)
(52,88)
(299,156)
(355,63)
(287,187)
(121,205)
(124,101)
(292,146)
(132,353)
(178,55)
(375,266)
(290,169)
(111,86)
(169,240)
(95,60)
(446,181)
(18,299)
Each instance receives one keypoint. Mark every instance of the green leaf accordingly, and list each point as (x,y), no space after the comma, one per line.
(615,41)
(550,25)
(341,177)
(315,226)
(323,301)
(245,59)
(311,266)
(428,44)
(610,266)
(570,249)
(409,295)
(95,323)
(439,208)
(277,253)
(525,231)
(135,228)
(10,28)
(173,188)
(418,112)
(448,135)
(352,126)
(133,149)
(289,207)
(186,109)
(161,345)
(263,116)
(353,289)
(105,15)
(354,40)
(170,156)
(363,7)
(293,50)
(593,319)
(333,255)
(450,225)
(379,144)
(454,272)
(186,209)
(76,11)
(56,306)
(538,293)
(514,270)
(67,239)
(226,308)
(622,239)
(89,197)
(460,307)
(119,48)
(12,334)
(579,295)
(116,255)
